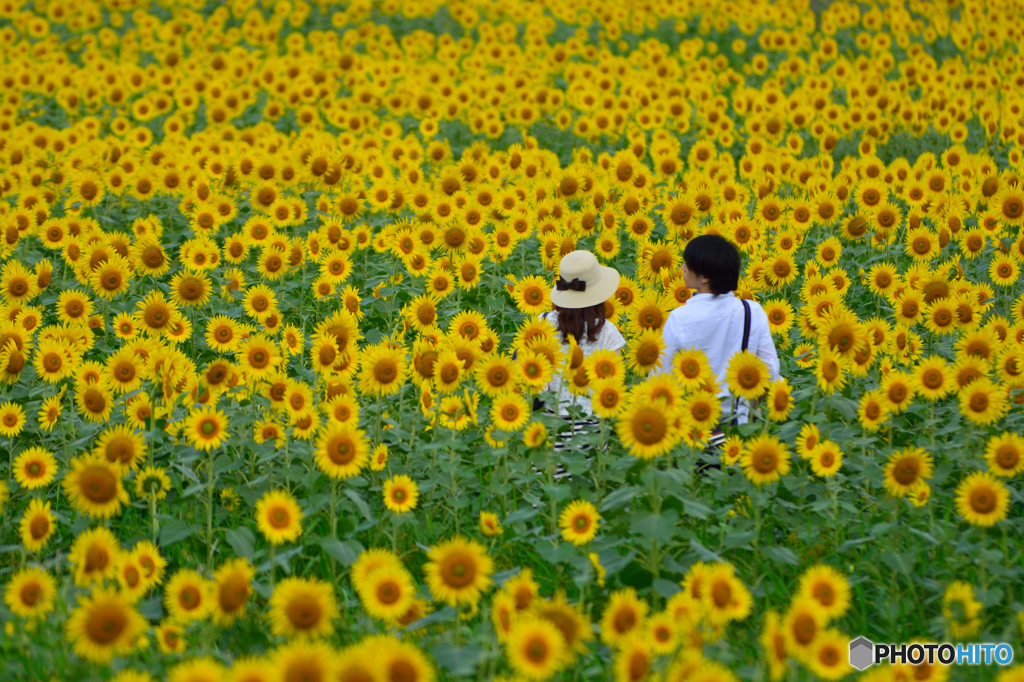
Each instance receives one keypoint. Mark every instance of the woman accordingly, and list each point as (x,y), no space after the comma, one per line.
(578,300)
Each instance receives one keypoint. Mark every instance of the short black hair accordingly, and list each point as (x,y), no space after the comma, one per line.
(714,257)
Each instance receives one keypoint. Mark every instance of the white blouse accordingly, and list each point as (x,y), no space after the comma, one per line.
(714,324)
(609,338)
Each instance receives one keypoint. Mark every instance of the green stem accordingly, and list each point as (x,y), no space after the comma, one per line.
(209,511)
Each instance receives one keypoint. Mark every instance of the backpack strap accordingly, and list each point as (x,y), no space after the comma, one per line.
(746,323)
(746,342)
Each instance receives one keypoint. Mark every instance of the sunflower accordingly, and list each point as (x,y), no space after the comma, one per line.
(624,616)
(908,307)
(802,624)
(765,459)
(535,435)
(905,469)
(421,311)
(188,596)
(206,428)
(535,369)
(828,657)
(222,334)
(342,450)
(382,370)
(400,494)
(898,391)
(607,397)
(509,411)
(535,648)
(54,360)
(94,554)
(982,499)
(1005,454)
(983,402)
(724,597)
(342,409)
(828,587)
(495,375)
(379,457)
(579,522)
(122,446)
(774,643)
(302,607)
(702,409)
(634,659)
(202,669)
(830,370)
(30,593)
(448,370)
(17,285)
(387,593)
(826,459)
(12,419)
(232,587)
(35,468)
(94,487)
(933,378)
(258,356)
(170,638)
(148,557)
(648,429)
(37,526)
(74,307)
(644,351)
(152,481)
(396,659)
(458,571)
(961,610)
(1009,204)
(278,517)
(490,525)
(690,368)
(104,624)
(255,669)
(780,400)
(532,295)
(95,401)
(368,562)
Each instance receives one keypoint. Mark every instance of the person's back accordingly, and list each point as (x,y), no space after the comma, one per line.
(713,320)
(578,298)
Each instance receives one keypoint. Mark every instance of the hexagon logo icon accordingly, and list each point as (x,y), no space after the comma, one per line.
(862,653)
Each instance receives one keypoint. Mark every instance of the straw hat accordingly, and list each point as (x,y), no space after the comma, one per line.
(583,282)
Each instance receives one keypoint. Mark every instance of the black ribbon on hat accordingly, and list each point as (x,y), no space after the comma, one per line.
(575,285)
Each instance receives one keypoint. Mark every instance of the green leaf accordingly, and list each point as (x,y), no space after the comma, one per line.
(703,552)
(902,563)
(242,541)
(660,527)
(738,539)
(781,555)
(345,552)
(619,498)
(360,503)
(458,661)
(173,530)
(696,509)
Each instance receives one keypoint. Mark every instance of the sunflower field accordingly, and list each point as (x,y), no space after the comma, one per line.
(271,275)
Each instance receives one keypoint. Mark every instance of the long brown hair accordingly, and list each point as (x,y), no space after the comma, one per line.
(574,321)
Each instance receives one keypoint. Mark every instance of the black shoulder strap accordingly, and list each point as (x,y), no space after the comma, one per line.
(746,323)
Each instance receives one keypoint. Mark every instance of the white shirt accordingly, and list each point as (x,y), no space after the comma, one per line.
(714,325)
(609,338)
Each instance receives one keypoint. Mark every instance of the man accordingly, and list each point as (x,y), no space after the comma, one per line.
(712,320)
